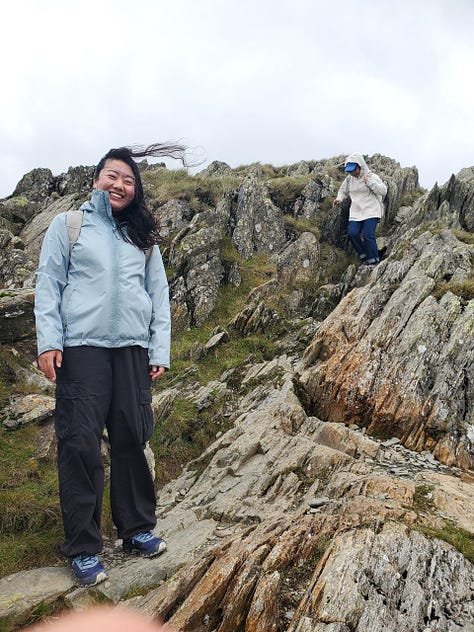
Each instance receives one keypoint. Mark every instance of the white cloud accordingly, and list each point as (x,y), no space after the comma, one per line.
(275,81)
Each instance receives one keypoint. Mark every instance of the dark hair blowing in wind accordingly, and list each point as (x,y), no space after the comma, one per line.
(136,223)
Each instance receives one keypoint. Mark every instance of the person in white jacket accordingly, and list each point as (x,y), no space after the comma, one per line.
(366,192)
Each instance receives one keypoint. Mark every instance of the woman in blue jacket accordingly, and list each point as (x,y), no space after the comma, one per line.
(103,328)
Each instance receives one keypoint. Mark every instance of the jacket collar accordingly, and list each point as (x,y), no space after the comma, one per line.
(100,203)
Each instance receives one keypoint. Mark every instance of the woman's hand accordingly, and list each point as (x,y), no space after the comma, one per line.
(48,361)
(156,371)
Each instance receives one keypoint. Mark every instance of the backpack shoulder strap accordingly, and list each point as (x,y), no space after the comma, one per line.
(73,225)
(148,252)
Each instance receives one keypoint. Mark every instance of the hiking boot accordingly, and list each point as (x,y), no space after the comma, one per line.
(87,569)
(145,544)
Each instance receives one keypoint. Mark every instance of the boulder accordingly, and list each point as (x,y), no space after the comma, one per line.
(259,225)
(36,186)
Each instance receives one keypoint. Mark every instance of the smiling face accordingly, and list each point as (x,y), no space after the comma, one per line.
(117,178)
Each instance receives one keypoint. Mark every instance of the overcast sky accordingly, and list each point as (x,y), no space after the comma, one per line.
(275,81)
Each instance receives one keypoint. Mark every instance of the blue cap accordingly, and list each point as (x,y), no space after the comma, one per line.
(351,166)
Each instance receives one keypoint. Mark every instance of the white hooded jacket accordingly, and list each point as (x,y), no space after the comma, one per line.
(366,191)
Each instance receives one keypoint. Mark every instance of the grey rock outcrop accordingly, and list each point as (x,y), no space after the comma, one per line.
(216,168)
(76,181)
(308,205)
(259,225)
(173,217)
(36,186)
(391,352)
(196,256)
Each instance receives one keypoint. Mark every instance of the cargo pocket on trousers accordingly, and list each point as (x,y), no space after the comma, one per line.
(146,415)
(68,395)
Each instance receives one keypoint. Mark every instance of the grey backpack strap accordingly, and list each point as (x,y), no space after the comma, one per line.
(73,225)
(148,252)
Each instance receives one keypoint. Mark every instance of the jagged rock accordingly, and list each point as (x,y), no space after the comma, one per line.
(298,262)
(254,485)
(334,225)
(33,377)
(46,445)
(327,297)
(216,168)
(452,204)
(376,360)
(259,225)
(388,581)
(308,205)
(218,338)
(452,498)
(17,210)
(233,275)
(27,409)
(254,318)
(36,186)
(197,257)
(173,216)
(33,233)
(16,268)
(16,315)
(162,403)
(207,395)
(466,175)
(76,181)
(180,311)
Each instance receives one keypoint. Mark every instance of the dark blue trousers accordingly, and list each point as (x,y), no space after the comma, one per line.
(97,388)
(362,236)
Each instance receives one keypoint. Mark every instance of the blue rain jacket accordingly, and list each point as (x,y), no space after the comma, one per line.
(103,293)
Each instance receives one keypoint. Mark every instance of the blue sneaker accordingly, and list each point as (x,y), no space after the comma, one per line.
(87,569)
(145,544)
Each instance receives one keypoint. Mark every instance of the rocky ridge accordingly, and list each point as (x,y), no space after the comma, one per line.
(345,461)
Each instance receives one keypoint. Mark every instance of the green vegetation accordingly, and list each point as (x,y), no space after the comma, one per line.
(302,225)
(183,436)
(410,197)
(464,236)
(177,184)
(423,497)
(30,524)
(461,539)
(463,289)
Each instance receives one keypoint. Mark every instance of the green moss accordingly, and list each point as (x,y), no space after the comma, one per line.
(183,436)
(30,520)
(302,225)
(464,236)
(423,497)
(463,289)
(163,185)
(410,197)
(461,539)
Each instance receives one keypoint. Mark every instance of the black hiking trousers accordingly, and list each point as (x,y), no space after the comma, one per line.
(97,387)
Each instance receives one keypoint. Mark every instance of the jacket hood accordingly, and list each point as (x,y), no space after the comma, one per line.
(359,159)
